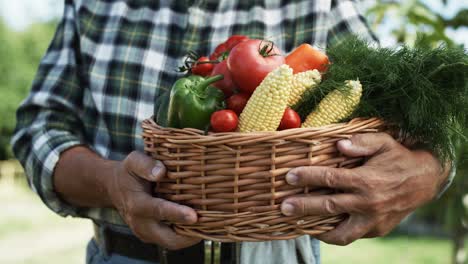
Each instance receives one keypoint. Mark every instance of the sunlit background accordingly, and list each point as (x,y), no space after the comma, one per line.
(30,233)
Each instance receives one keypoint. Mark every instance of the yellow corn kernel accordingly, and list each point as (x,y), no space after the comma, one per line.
(266,106)
(336,106)
(302,82)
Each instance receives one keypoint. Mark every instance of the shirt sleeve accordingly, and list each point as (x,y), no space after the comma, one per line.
(452,173)
(449,181)
(48,121)
(345,18)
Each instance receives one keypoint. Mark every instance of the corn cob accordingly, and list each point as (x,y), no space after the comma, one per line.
(337,105)
(266,106)
(301,82)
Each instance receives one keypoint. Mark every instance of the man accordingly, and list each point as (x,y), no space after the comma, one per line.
(78,133)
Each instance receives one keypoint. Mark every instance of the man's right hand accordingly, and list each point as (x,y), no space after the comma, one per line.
(84,179)
(129,190)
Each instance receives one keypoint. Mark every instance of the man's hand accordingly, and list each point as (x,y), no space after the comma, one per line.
(85,179)
(392,183)
(129,191)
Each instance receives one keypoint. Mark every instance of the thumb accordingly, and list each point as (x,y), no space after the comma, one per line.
(143,166)
(362,145)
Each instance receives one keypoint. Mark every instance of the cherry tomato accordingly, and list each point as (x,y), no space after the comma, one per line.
(250,61)
(223,49)
(290,120)
(219,51)
(224,121)
(237,102)
(226,84)
(202,69)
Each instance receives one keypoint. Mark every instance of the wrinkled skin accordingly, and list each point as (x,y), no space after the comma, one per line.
(129,191)
(392,183)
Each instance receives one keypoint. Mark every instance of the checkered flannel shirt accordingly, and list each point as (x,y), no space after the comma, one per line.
(110,60)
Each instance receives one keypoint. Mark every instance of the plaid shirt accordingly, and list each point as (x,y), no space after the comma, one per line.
(110,60)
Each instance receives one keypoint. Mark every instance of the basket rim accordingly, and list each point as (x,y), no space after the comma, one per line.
(372,122)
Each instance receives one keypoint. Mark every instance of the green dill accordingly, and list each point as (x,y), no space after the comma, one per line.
(422,90)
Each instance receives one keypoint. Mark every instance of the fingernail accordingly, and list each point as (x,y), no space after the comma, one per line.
(287,209)
(155,172)
(292,178)
(345,143)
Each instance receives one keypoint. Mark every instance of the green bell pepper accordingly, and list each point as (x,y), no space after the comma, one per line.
(160,109)
(193,100)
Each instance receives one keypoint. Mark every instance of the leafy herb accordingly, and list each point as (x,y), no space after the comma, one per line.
(422,90)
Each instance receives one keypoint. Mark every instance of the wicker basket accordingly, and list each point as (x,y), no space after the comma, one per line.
(235,181)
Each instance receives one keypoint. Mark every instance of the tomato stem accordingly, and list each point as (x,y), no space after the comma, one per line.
(191,61)
(267,48)
(207,62)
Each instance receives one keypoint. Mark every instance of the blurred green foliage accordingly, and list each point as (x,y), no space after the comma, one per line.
(413,19)
(20,53)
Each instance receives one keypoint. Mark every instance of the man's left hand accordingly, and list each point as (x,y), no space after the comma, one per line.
(392,183)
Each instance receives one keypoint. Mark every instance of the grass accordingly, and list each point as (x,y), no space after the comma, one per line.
(401,250)
(31,234)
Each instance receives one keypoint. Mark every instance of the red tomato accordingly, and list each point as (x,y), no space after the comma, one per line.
(226,84)
(202,69)
(223,49)
(237,102)
(224,121)
(219,51)
(250,61)
(233,40)
(290,120)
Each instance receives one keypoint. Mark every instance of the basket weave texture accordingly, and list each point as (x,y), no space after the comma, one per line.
(236,181)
